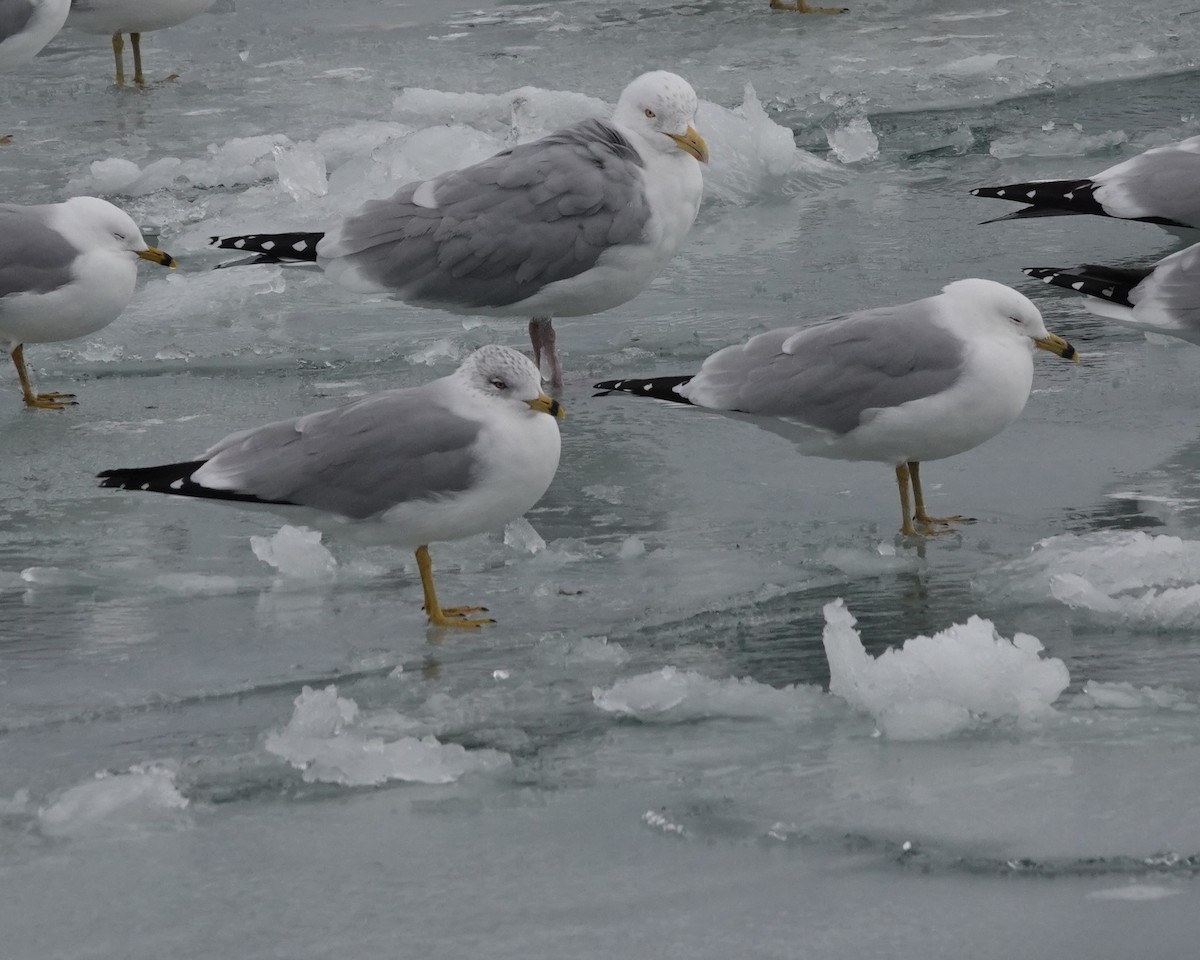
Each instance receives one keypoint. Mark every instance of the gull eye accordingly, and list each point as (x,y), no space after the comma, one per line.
(119,236)
(499,384)
(649,113)
(1016,319)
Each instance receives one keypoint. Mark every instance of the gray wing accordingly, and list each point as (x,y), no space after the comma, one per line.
(356,460)
(1172,291)
(830,376)
(504,228)
(14,17)
(33,257)
(1162,182)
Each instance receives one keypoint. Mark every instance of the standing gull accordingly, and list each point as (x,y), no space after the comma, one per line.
(446,460)
(1162,298)
(134,17)
(26,26)
(918,381)
(66,270)
(1159,186)
(571,224)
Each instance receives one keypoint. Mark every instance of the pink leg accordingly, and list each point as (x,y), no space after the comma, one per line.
(542,336)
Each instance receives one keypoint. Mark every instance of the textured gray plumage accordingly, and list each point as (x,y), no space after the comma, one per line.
(504,228)
(1161,183)
(830,376)
(14,17)
(1173,287)
(345,460)
(33,257)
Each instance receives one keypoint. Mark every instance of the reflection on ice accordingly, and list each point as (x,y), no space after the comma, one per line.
(941,685)
(682,695)
(331,742)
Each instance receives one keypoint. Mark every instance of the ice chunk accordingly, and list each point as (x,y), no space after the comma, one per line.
(330,742)
(116,803)
(1125,696)
(752,155)
(936,686)
(849,131)
(301,169)
(114,174)
(520,535)
(683,695)
(297,553)
(1055,141)
(1126,576)
(630,548)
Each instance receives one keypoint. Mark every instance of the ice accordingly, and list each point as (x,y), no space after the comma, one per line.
(297,553)
(117,804)
(1055,141)
(330,742)
(631,547)
(1125,696)
(301,170)
(520,535)
(1135,892)
(941,685)
(1125,576)
(537,111)
(752,155)
(679,696)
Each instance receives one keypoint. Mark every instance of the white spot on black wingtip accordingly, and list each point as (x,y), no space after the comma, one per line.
(647,386)
(176,484)
(268,245)
(1001,192)
(1108,292)
(1069,196)
(1077,285)
(240,243)
(1031,194)
(300,246)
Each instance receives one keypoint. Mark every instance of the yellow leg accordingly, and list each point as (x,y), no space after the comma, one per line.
(136,41)
(439,617)
(800,6)
(40,401)
(906,525)
(919,500)
(119,56)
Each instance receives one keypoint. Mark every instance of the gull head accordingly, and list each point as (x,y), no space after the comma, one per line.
(93,223)
(507,376)
(1001,310)
(661,108)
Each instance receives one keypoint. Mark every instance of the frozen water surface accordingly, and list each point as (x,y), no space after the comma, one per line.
(221,736)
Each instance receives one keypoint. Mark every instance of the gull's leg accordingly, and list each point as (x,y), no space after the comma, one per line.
(906,525)
(542,336)
(136,40)
(119,56)
(40,401)
(800,6)
(449,616)
(919,499)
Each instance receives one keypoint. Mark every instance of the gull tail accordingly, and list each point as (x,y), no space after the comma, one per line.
(174,479)
(271,247)
(657,388)
(1113,284)
(1046,198)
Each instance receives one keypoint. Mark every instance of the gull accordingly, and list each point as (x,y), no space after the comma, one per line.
(1162,298)
(1159,186)
(134,17)
(449,459)
(577,222)
(66,270)
(26,26)
(900,384)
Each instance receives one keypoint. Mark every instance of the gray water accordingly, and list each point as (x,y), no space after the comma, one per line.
(642,757)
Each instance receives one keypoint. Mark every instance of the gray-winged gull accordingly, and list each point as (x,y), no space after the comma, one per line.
(445,460)
(134,17)
(66,270)
(26,26)
(1159,186)
(902,384)
(1162,298)
(571,224)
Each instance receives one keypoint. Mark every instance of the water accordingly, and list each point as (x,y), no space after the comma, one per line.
(219,737)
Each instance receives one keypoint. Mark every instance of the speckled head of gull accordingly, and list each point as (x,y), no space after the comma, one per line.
(66,270)
(902,384)
(1162,298)
(452,458)
(1159,186)
(26,26)
(134,17)
(575,223)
